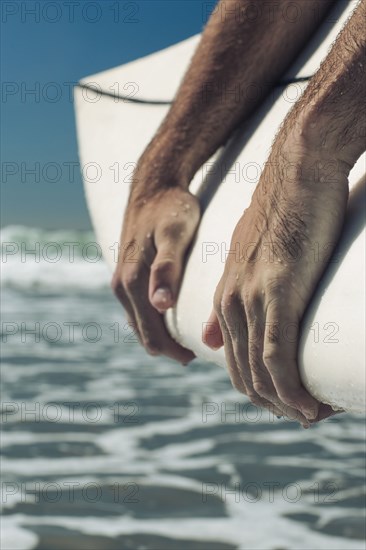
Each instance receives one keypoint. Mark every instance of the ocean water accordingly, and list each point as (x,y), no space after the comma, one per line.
(104,447)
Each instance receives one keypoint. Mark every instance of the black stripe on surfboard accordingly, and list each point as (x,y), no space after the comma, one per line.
(126,98)
(142,101)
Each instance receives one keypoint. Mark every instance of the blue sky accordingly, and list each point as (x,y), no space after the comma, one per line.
(46,46)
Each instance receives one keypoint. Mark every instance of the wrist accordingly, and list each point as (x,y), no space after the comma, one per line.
(299,159)
(160,166)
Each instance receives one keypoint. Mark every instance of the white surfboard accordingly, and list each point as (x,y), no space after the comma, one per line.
(112,134)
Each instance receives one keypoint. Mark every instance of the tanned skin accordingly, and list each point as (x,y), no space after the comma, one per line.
(320,140)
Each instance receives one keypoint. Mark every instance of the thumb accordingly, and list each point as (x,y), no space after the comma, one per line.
(167,269)
(212,334)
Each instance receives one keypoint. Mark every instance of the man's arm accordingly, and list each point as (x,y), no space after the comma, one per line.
(239,50)
(331,114)
(299,203)
(244,50)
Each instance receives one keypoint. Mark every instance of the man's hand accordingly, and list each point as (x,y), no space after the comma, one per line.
(297,210)
(157,232)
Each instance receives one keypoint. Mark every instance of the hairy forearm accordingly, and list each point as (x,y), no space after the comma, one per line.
(331,115)
(238,60)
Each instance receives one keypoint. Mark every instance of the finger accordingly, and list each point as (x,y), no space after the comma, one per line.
(121,295)
(280,358)
(154,335)
(211,334)
(237,328)
(262,381)
(171,241)
(236,380)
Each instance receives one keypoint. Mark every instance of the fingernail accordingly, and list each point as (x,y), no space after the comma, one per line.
(310,414)
(162,295)
(214,347)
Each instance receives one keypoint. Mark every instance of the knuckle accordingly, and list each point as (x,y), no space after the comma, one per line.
(272,358)
(164,266)
(290,397)
(227,301)
(275,286)
(251,301)
(261,388)
(131,279)
(172,231)
(152,346)
(225,304)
